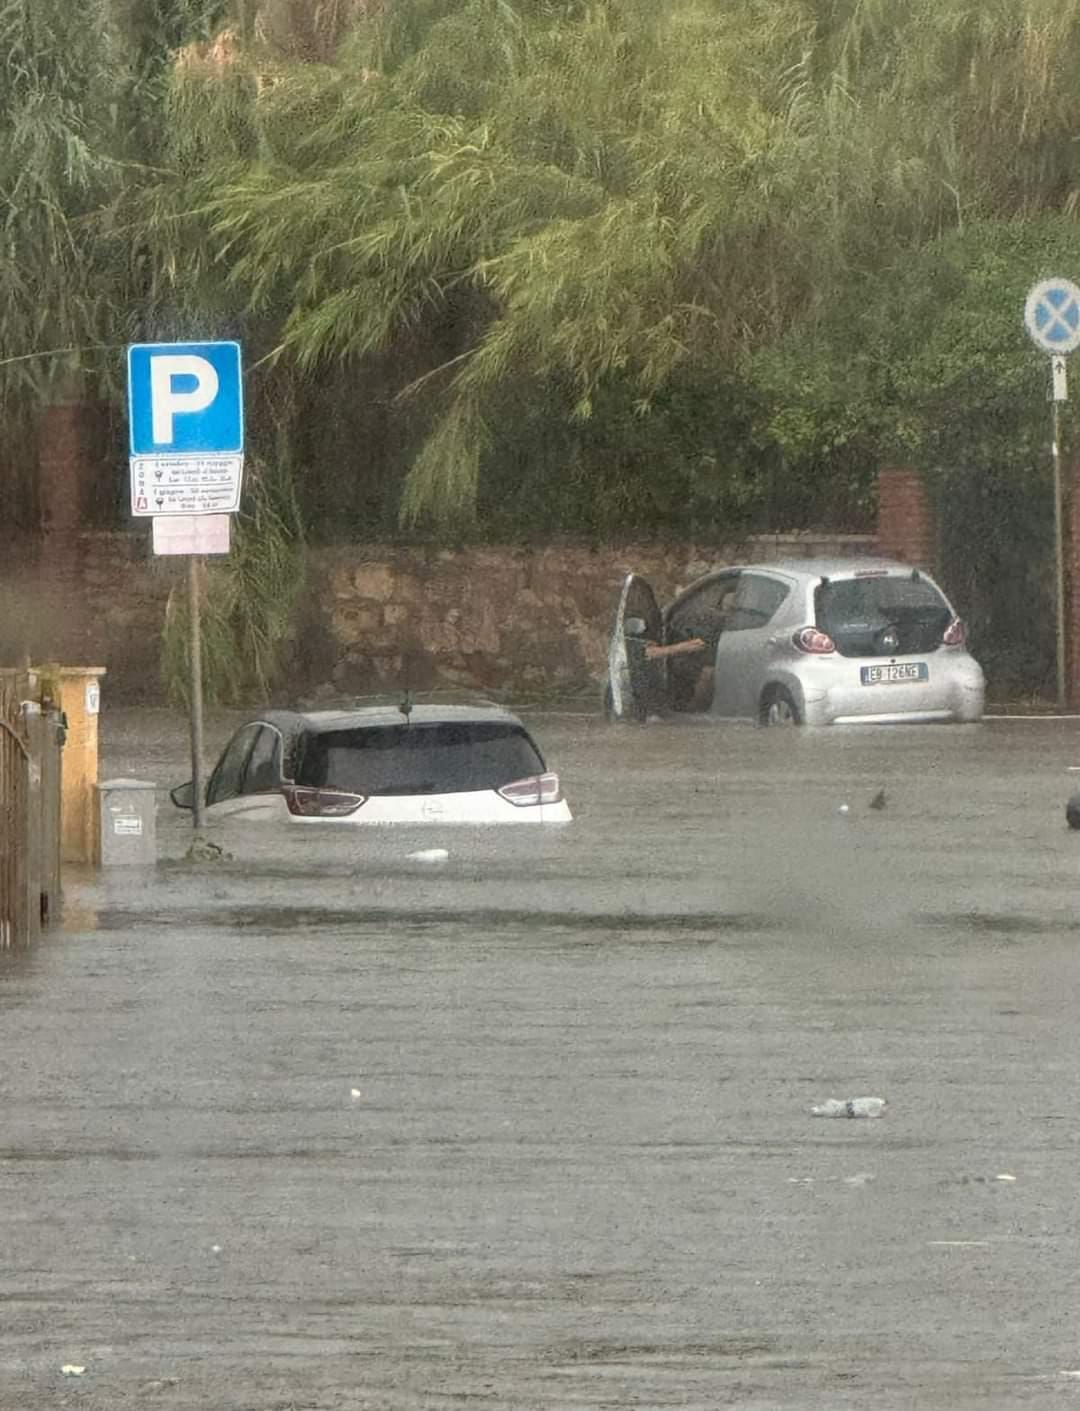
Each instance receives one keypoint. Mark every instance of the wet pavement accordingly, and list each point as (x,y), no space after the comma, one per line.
(321,1127)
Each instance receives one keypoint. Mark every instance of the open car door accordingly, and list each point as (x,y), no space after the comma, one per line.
(635,685)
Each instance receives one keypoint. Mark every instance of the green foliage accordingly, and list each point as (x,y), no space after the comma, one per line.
(473,205)
(538,198)
(587,266)
(937,370)
(247,600)
(57,164)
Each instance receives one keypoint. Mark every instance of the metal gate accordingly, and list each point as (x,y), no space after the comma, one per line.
(31,737)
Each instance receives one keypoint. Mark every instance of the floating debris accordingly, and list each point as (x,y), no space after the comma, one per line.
(852,1107)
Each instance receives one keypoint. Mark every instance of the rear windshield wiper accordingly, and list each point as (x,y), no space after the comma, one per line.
(427,787)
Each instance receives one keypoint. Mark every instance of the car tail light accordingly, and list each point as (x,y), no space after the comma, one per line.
(955,634)
(812,639)
(320,803)
(539,788)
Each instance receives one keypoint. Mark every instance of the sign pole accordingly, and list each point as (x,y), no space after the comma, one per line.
(186,435)
(1052,318)
(195,643)
(1059,560)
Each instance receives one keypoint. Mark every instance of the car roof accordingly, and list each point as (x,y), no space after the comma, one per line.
(320,721)
(383,713)
(811,570)
(835,567)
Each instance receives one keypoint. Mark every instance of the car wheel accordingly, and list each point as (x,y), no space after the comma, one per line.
(777,708)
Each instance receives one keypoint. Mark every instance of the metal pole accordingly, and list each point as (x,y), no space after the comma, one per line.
(194,569)
(1059,561)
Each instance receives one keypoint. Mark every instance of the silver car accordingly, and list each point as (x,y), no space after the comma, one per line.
(808,642)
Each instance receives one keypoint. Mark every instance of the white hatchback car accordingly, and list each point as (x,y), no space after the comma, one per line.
(809,642)
(409,764)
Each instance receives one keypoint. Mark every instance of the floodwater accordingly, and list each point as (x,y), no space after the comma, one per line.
(319,1128)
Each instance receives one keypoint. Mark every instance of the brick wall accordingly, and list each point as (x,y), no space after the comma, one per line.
(906,529)
(62,458)
(86,600)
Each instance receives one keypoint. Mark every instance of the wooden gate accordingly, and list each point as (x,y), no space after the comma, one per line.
(31,737)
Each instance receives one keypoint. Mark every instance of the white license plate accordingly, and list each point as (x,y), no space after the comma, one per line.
(895,672)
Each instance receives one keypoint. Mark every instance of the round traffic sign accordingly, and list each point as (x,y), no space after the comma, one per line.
(1052,315)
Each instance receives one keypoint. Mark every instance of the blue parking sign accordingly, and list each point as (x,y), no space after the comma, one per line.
(185,398)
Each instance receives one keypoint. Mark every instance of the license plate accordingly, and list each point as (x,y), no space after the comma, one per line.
(894,673)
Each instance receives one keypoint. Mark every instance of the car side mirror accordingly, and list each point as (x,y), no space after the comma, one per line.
(183,796)
(634,627)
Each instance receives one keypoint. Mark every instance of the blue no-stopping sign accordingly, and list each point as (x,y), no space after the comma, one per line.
(1052,315)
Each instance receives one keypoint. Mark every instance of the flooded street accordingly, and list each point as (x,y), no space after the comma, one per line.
(321,1128)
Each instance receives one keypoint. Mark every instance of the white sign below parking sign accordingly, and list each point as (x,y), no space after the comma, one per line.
(185,484)
(191,534)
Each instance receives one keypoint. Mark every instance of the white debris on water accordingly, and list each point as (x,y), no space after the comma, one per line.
(69,1369)
(851,1107)
(355,1093)
(1004,1176)
(430,855)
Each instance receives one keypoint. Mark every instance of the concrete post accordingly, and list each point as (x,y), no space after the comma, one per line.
(77,692)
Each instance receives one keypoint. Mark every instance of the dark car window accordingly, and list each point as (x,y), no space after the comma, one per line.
(885,615)
(756,601)
(641,603)
(705,611)
(225,780)
(264,766)
(447,757)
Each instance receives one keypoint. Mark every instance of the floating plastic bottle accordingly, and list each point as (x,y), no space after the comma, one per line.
(853,1107)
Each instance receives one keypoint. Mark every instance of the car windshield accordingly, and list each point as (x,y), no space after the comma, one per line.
(883,615)
(449,757)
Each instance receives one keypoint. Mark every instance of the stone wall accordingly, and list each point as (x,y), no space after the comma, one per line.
(497,619)
(528,621)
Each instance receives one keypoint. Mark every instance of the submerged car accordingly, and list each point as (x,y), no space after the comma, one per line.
(808,642)
(409,763)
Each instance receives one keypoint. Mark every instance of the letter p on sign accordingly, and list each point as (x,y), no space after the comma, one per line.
(185,399)
(171,394)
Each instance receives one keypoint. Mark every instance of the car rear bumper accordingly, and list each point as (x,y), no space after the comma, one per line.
(956,691)
(481,807)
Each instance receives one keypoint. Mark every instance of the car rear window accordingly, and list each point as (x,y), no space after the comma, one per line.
(444,758)
(886,615)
